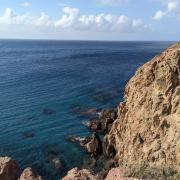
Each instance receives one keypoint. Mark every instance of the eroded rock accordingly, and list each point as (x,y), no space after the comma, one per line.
(29,174)
(76,174)
(147,129)
(9,169)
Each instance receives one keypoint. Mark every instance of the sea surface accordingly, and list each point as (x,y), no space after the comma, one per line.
(47,88)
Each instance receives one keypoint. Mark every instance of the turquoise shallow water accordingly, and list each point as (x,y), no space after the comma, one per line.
(42,83)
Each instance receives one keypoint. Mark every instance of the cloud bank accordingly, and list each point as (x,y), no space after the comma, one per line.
(73,19)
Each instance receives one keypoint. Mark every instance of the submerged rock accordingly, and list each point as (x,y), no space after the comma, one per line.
(29,174)
(84,111)
(147,129)
(76,174)
(103,96)
(28,134)
(9,169)
(48,112)
(55,159)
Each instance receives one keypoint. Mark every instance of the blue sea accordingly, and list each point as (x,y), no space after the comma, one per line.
(46,88)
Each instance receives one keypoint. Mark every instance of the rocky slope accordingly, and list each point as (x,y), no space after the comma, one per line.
(144,139)
(147,129)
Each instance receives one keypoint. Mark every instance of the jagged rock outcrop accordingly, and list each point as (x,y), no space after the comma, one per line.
(92,144)
(147,129)
(9,169)
(29,174)
(104,122)
(76,174)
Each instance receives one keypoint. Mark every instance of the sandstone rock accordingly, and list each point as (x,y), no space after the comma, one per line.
(107,118)
(9,170)
(117,174)
(147,129)
(29,174)
(75,174)
(94,146)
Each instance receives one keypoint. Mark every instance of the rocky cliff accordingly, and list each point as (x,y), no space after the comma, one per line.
(147,130)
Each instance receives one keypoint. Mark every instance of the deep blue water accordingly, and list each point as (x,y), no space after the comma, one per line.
(43,82)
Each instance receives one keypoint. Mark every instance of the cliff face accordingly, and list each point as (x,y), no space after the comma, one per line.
(147,129)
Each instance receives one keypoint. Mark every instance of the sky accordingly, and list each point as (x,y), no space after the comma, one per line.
(90,19)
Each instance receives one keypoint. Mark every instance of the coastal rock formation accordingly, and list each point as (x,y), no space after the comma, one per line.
(29,174)
(9,170)
(76,174)
(104,122)
(92,144)
(147,130)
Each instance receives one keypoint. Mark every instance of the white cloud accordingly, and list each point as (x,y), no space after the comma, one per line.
(172,6)
(72,19)
(172,10)
(68,18)
(11,18)
(25,4)
(159,15)
(43,20)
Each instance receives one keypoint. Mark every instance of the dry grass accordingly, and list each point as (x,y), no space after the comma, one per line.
(152,173)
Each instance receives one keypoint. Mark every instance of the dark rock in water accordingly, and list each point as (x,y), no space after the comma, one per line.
(48,111)
(84,111)
(55,159)
(92,144)
(28,134)
(57,163)
(104,122)
(103,96)
(94,125)
(76,139)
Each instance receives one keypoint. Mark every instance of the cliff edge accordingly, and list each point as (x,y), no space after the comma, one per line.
(147,130)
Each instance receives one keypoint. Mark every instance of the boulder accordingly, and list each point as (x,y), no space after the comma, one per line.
(29,174)
(76,174)
(9,169)
(117,174)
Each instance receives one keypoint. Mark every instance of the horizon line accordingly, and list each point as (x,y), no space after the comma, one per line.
(90,40)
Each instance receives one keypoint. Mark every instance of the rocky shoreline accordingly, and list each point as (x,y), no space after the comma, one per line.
(141,139)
